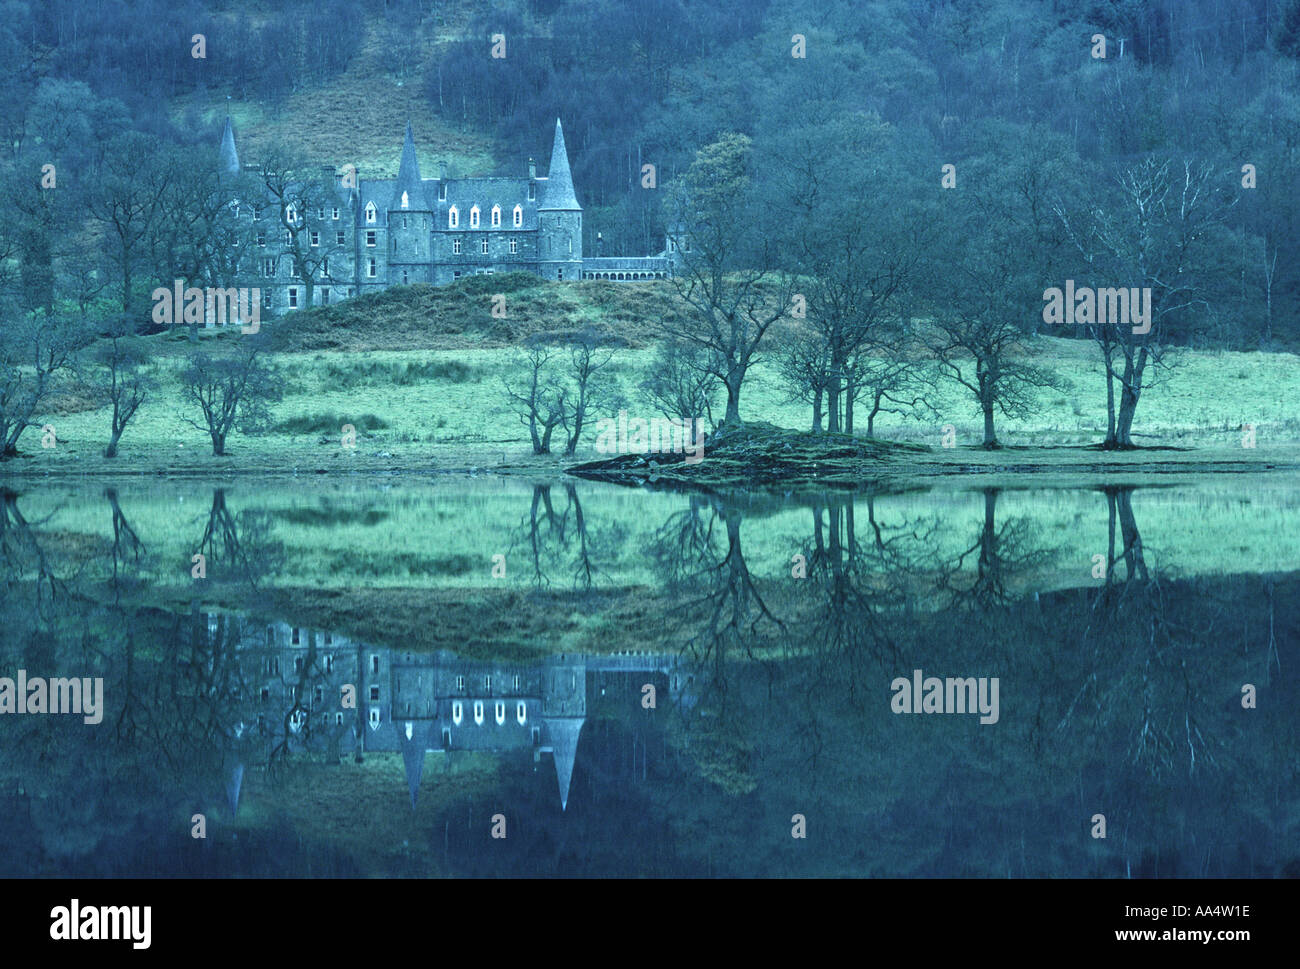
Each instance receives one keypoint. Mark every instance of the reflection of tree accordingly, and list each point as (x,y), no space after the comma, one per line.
(1001,553)
(239,544)
(560,538)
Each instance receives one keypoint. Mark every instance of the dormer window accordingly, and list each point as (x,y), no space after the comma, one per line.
(290,214)
(457,713)
(496,216)
(453,218)
(478,712)
(519,216)
(500,712)
(370,213)
(406,201)
(473,217)
(521,713)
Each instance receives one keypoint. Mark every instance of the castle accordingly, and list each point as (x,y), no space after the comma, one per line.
(377,233)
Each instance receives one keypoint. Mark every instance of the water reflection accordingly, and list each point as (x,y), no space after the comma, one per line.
(651,683)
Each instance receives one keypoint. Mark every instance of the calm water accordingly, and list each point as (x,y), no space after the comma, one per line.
(483,677)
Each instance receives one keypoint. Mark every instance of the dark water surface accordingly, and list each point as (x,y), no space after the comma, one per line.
(375,678)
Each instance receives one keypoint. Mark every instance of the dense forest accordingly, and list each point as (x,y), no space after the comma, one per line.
(902,159)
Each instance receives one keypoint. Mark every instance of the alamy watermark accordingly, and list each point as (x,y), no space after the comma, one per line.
(214,307)
(1108,306)
(930,694)
(58,695)
(658,435)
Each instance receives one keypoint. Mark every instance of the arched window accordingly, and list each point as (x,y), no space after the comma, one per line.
(406,201)
(500,712)
(478,712)
(374,716)
(521,713)
(496,216)
(453,218)
(457,713)
(519,216)
(370,213)
(473,217)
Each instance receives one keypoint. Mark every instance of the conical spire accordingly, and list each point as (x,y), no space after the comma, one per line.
(229,158)
(408,177)
(564,745)
(558,193)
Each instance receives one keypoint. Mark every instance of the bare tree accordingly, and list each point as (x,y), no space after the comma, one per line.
(123,380)
(233,391)
(540,402)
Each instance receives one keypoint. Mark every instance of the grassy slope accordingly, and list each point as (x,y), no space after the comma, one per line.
(418,370)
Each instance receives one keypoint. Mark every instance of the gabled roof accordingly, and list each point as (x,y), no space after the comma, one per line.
(557,193)
(228,158)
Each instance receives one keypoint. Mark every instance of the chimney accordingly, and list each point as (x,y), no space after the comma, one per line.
(532,168)
(600,245)
(442,171)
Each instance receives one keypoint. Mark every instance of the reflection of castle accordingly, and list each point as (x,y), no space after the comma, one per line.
(418,703)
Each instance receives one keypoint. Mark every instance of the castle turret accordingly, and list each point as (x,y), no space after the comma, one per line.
(228,158)
(409,220)
(560,217)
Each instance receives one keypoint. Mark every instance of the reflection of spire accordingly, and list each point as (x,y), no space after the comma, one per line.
(229,157)
(413,757)
(564,745)
(234,784)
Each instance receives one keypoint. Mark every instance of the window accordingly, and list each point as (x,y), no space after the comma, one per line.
(521,712)
(370,238)
(288,237)
(374,716)
(456,274)
(349,290)
(338,718)
(293,297)
(496,216)
(370,213)
(406,201)
(257,213)
(340,237)
(266,300)
(405,277)
(478,712)
(329,641)
(485,245)
(290,214)
(455,247)
(324,268)
(487,684)
(516,681)
(325,296)
(320,694)
(559,274)
(370,268)
(514,246)
(334,214)
(473,217)
(266,693)
(261,239)
(374,664)
(374,693)
(293,266)
(320,213)
(406,220)
(457,713)
(315,237)
(273,666)
(571,245)
(329,660)
(519,216)
(268,268)
(453,218)
(500,713)
(460,682)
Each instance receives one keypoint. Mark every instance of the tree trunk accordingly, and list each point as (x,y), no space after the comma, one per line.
(817,411)
(990,441)
(833,404)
